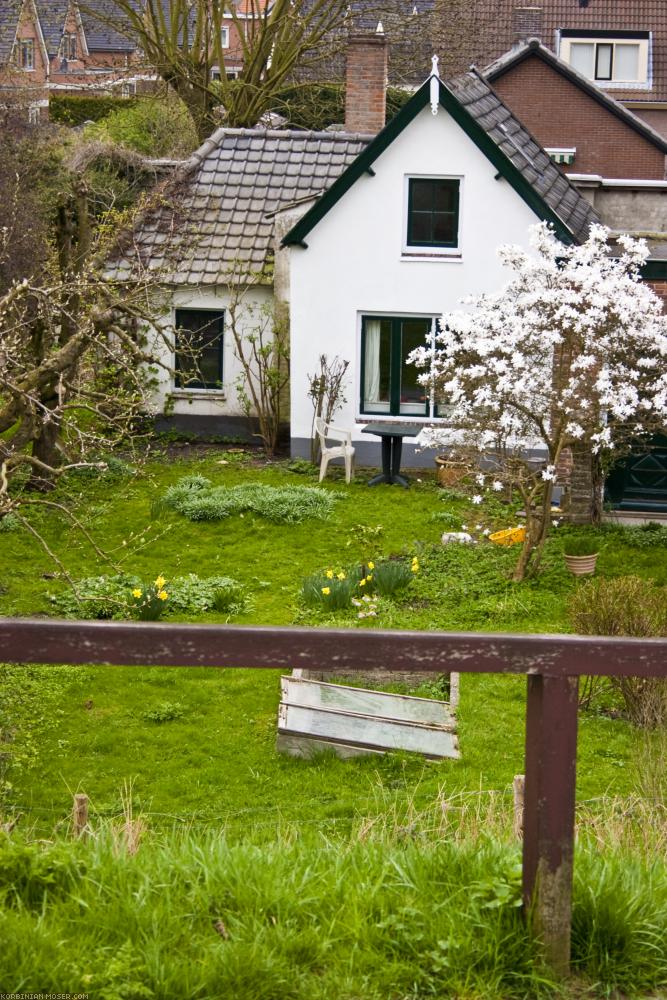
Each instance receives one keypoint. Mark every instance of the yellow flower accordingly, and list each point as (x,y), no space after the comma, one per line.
(160,582)
(326,590)
(329,574)
(371,565)
(163,595)
(341,576)
(362,583)
(415,567)
(369,576)
(137,593)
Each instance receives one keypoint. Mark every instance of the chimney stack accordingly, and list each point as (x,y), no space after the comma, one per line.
(527,23)
(366,83)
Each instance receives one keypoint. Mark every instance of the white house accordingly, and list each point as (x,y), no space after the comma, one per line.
(411,226)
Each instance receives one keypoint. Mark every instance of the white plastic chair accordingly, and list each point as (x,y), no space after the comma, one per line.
(342,450)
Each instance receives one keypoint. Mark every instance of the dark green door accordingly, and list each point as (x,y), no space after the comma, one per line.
(639,482)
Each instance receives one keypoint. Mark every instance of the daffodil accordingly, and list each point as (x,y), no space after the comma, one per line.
(329,574)
(341,576)
(371,565)
(326,590)
(369,576)
(160,582)
(137,593)
(362,583)
(162,595)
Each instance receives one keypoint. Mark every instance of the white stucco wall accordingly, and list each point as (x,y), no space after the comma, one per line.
(353,264)
(211,402)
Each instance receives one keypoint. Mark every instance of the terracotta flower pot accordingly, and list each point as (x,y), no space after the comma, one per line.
(581,565)
(450,472)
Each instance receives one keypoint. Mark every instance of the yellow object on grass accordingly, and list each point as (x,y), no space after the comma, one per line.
(509,536)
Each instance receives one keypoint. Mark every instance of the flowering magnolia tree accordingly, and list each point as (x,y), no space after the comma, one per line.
(571,353)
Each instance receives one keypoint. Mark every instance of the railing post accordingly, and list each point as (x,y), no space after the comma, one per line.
(548,825)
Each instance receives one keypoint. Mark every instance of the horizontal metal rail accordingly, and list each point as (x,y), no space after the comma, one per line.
(553,664)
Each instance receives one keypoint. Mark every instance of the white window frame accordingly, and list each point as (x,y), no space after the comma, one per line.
(413,252)
(643,80)
(224,37)
(66,45)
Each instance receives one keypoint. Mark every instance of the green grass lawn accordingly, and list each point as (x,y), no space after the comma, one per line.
(214,762)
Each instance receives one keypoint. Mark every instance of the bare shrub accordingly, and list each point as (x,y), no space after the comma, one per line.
(627,605)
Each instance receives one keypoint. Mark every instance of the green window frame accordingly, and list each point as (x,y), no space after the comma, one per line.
(433,212)
(199,362)
(396,391)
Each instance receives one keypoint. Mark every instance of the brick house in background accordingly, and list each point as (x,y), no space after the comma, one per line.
(620,45)
(584,127)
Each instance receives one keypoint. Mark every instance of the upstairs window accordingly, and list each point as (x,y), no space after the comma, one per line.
(224,38)
(198,348)
(433,213)
(25,53)
(609,58)
(68,47)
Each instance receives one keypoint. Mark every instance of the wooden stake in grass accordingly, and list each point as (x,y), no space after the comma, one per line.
(80,815)
(518,787)
(454,691)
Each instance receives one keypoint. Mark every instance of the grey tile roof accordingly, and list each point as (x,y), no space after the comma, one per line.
(52,16)
(524,152)
(216,218)
(100,35)
(9,19)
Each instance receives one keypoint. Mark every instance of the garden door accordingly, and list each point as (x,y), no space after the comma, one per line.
(639,482)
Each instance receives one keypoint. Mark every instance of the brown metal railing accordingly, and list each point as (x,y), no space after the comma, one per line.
(552,663)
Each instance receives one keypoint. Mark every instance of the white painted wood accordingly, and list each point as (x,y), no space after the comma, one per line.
(454,691)
(363,730)
(318,694)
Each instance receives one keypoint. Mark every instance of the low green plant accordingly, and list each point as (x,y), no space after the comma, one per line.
(581,545)
(121,596)
(331,590)
(393,575)
(10,522)
(149,601)
(301,467)
(166,711)
(199,500)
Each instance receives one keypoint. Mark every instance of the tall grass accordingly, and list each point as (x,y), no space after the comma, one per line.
(419,905)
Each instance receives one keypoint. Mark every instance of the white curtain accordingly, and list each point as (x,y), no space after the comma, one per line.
(372,361)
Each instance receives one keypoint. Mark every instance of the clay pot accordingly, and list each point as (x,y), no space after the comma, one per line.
(581,565)
(451,473)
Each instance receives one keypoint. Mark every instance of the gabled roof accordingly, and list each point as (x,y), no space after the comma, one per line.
(517,156)
(9,20)
(535,49)
(494,31)
(100,36)
(217,219)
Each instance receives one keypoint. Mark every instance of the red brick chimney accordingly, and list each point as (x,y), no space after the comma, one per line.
(526,23)
(366,83)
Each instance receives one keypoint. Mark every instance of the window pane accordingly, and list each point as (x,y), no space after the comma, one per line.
(444,196)
(626,62)
(377,365)
(603,55)
(582,58)
(414,333)
(421,192)
(444,228)
(420,231)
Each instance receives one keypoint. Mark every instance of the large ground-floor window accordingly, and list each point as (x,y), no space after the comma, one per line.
(198,348)
(388,383)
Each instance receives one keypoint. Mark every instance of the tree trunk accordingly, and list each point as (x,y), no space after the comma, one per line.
(45,449)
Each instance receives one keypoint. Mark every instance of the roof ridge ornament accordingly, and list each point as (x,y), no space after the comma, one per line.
(435,86)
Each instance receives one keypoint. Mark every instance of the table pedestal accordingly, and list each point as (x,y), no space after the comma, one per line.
(392,446)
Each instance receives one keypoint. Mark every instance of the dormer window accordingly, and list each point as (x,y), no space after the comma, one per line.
(68,47)
(224,38)
(611,59)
